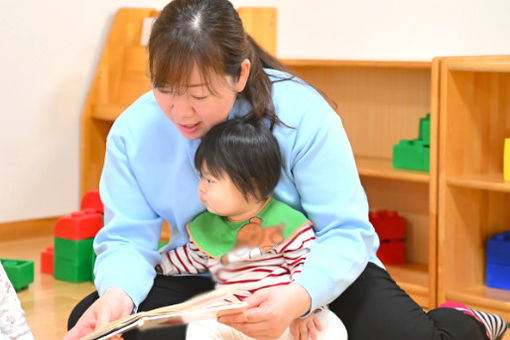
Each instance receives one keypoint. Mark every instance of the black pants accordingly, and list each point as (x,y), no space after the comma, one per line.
(373,307)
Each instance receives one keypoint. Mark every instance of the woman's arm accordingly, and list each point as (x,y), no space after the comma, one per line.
(126,245)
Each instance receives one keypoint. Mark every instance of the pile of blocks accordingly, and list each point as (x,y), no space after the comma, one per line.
(72,256)
(414,153)
(390,227)
(498,261)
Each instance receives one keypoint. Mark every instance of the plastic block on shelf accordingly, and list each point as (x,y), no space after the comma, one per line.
(392,252)
(506,160)
(47,258)
(388,224)
(92,200)
(79,225)
(78,251)
(497,276)
(19,272)
(424,132)
(67,270)
(498,249)
(411,154)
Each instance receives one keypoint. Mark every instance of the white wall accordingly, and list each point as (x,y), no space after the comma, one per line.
(50,50)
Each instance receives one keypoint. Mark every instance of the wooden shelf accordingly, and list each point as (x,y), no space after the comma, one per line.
(480,66)
(414,279)
(107,112)
(358,63)
(383,168)
(484,298)
(491,182)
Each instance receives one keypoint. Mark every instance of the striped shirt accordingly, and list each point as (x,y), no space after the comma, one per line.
(277,266)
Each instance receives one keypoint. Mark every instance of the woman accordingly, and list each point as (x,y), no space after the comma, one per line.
(205,69)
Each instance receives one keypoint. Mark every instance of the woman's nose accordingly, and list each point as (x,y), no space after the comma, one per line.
(180,107)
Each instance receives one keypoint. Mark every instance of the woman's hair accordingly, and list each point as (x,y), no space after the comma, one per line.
(246,151)
(210,35)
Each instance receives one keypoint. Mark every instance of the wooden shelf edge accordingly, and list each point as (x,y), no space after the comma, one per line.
(491,183)
(383,168)
(480,66)
(358,63)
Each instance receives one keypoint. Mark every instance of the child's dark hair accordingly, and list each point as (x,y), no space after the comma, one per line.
(246,151)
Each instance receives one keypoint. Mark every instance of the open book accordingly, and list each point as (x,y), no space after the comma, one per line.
(204,306)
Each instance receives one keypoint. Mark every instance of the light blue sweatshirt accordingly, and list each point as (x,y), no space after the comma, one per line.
(148,177)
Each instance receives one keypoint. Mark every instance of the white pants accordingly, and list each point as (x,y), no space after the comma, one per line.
(332,329)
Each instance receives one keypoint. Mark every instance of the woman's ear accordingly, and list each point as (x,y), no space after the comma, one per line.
(243,76)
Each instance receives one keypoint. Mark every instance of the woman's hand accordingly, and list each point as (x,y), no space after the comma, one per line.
(270,312)
(112,305)
(303,329)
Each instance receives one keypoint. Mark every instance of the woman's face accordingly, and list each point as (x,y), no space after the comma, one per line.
(197,110)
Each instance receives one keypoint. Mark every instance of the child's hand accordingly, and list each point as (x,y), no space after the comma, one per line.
(305,328)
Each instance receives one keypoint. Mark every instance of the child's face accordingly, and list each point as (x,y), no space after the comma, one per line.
(221,197)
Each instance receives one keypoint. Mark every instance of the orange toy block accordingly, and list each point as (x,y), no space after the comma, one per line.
(47,261)
(79,225)
(92,200)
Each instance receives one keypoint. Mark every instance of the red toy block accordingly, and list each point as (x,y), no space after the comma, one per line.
(92,200)
(79,225)
(388,225)
(392,252)
(47,261)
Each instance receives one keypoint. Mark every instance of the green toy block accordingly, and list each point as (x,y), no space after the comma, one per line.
(68,270)
(411,154)
(77,251)
(424,133)
(19,272)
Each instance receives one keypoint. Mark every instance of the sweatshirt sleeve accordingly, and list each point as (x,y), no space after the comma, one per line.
(126,245)
(328,183)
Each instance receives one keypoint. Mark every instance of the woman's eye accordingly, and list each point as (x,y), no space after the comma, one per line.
(209,181)
(199,97)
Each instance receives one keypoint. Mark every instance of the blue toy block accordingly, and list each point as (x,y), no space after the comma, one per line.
(19,272)
(498,249)
(497,276)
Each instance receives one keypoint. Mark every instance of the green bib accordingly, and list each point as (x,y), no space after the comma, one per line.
(217,235)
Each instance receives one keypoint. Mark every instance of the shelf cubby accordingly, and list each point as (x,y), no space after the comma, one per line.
(380,103)
(474,200)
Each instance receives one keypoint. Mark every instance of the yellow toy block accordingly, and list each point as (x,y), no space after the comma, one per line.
(506,160)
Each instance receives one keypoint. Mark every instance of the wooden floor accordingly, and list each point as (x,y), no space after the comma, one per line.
(47,302)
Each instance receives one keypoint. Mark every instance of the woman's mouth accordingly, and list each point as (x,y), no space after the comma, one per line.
(189,128)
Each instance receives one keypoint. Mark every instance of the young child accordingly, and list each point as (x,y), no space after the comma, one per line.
(12,317)
(245,236)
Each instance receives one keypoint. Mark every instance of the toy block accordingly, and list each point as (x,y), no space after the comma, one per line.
(92,200)
(392,252)
(79,225)
(67,270)
(506,160)
(47,258)
(78,251)
(388,224)
(498,249)
(19,272)
(411,154)
(497,276)
(424,132)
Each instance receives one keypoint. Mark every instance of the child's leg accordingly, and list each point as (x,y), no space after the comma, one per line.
(332,327)
(213,330)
